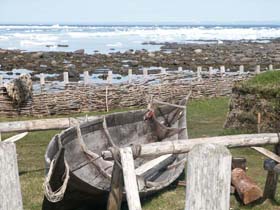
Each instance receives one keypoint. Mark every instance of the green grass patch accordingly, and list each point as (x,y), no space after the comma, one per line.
(266,84)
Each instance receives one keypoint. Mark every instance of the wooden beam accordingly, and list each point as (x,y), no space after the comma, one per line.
(267,153)
(184,146)
(130,181)
(42,124)
(10,193)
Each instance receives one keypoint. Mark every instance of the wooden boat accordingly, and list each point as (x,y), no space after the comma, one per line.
(78,175)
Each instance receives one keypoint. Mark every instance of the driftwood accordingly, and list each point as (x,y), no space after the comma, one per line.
(246,188)
(184,146)
(15,138)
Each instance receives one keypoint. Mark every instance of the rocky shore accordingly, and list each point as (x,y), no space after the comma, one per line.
(172,55)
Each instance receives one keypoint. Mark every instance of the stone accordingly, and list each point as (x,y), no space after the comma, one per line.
(80,51)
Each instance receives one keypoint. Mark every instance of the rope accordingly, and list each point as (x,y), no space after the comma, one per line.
(56,196)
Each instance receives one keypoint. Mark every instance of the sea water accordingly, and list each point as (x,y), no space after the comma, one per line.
(112,38)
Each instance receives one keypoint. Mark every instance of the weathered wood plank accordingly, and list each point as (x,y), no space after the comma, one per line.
(246,188)
(130,181)
(208,177)
(267,153)
(115,195)
(10,193)
(15,138)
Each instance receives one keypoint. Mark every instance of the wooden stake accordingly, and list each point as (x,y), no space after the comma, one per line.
(1,80)
(241,69)
(86,77)
(129,76)
(259,122)
(270,67)
(130,181)
(65,77)
(258,69)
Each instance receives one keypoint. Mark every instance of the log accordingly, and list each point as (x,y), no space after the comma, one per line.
(246,188)
(208,178)
(267,153)
(184,146)
(130,181)
(10,193)
(44,124)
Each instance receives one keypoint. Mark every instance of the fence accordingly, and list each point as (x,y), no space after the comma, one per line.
(75,97)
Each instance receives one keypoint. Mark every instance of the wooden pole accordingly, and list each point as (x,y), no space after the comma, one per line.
(210,71)
(180,69)
(258,69)
(259,122)
(271,180)
(145,73)
(1,80)
(86,77)
(199,70)
(208,177)
(10,193)
(110,77)
(130,181)
(163,70)
(270,67)
(129,76)
(42,79)
(223,70)
(65,77)
(241,69)
(184,146)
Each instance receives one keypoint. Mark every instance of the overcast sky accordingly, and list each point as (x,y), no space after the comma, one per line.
(153,11)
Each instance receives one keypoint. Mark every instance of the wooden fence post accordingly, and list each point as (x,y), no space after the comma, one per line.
(163,70)
(258,69)
(110,77)
(145,73)
(210,71)
(270,67)
(199,69)
(42,79)
(208,177)
(65,77)
(241,69)
(86,77)
(129,76)
(180,69)
(10,193)
(223,70)
(130,181)
(1,80)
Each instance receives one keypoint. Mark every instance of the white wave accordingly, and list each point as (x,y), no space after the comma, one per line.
(4,38)
(117,44)
(29,43)
(36,36)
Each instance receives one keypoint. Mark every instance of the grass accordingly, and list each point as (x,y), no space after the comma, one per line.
(205,118)
(266,84)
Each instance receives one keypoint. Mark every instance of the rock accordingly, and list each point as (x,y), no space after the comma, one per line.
(37,55)
(198,51)
(53,63)
(80,51)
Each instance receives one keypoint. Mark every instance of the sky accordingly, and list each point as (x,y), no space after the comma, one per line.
(138,11)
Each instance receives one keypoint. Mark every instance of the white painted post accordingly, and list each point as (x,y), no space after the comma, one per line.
(270,67)
(1,80)
(163,70)
(199,70)
(145,73)
(130,181)
(86,77)
(129,76)
(241,69)
(110,77)
(258,69)
(65,77)
(10,193)
(210,71)
(42,79)
(180,68)
(208,177)
(223,70)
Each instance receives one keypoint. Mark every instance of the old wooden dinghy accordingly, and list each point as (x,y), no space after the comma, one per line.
(78,175)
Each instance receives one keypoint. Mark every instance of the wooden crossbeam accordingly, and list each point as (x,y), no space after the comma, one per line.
(267,153)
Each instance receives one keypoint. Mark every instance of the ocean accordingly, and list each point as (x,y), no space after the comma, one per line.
(113,38)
